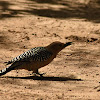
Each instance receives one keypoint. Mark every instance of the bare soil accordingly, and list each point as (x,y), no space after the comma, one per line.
(74,74)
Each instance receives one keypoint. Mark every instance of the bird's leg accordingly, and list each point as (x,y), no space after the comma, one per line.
(36,72)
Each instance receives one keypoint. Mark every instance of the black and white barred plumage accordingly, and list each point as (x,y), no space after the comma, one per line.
(38,54)
(35,58)
(35,54)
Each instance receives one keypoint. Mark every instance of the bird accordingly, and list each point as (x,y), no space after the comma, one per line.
(35,58)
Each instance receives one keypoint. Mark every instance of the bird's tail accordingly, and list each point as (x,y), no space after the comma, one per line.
(6,70)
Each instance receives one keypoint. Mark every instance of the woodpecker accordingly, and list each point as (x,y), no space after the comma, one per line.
(35,58)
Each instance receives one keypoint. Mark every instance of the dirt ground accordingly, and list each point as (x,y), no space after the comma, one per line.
(75,73)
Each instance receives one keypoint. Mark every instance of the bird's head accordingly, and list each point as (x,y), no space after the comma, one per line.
(57,46)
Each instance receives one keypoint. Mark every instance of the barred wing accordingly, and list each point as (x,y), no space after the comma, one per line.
(35,54)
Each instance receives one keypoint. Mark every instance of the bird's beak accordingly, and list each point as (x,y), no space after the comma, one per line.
(67,44)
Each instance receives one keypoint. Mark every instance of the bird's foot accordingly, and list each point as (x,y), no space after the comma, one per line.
(41,75)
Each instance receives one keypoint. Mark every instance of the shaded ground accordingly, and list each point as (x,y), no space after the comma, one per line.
(60,9)
(75,73)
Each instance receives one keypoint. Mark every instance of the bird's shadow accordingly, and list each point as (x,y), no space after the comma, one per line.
(46,78)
